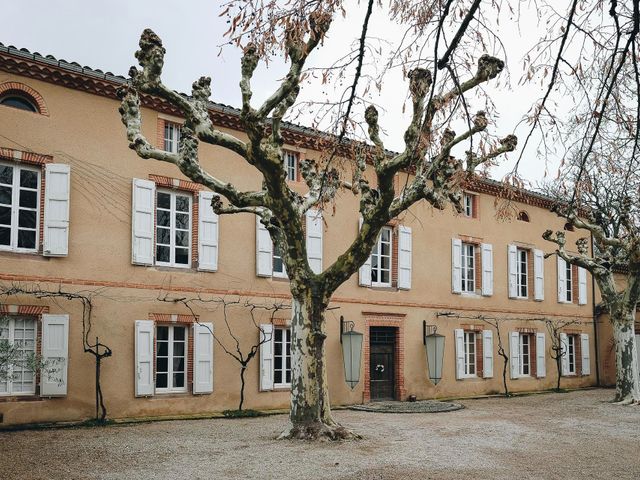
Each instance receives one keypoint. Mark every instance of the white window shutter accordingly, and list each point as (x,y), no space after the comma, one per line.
(266,357)
(487,270)
(404,257)
(513,270)
(564,344)
(364,273)
(538,273)
(562,280)
(142,221)
(144,358)
(314,232)
(582,286)
(456,265)
(56,209)
(264,250)
(202,357)
(55,355)
(207,233)
(514,351)
(541,355)
(459,333)
(586,358)
(487,353)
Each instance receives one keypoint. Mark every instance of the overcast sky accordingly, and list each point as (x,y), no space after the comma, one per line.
(104,35)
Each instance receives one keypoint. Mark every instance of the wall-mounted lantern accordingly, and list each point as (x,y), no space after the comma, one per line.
(351,352)
(434,346)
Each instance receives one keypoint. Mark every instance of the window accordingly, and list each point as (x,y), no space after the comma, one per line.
(282,357)
(467,205)
(19,207)
(171,360)
(525,354)
(171,137)
(523,216)
(173,229)
(278,264)
(569,282)
(468,268)
(571,354)
(569,227)
(522,269)
(20,332)
(381,259)
(470,354)
(20,102)
(291,165)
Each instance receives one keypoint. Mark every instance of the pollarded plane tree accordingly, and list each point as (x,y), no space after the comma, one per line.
(436,176)
(609,201)
(591,59)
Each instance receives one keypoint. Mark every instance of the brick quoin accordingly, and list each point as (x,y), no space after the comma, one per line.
(380,319)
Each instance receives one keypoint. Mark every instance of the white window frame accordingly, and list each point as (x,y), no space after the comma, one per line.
(568,282)
(283,356)
(10,327)
(170,341)
(291,162)
(171,136)
(467,251)
(274,256)
(522,355)
(377,253)
(522,273)
(470,359)
(467,204)
(15,207)
(571,354)
(172,228)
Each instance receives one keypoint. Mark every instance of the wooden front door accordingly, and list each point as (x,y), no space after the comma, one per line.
(382,346)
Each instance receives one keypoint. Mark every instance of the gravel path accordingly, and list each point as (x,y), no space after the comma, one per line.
(553,436)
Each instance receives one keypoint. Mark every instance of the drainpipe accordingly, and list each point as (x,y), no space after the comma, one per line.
(595,319)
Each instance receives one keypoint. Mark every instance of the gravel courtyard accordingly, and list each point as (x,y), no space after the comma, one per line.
(552,436)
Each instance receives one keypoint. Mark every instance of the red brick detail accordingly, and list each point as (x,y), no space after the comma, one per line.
(26,157)
(26,91)
(475,205)
(172,318)
(175,183)
(40,233)
(281,322)
(526,330)
(533,358)
(577,341)
(472,328)
(479,355)
(530,275)
(24,309)
(160,134)
(378,319)
(478,270)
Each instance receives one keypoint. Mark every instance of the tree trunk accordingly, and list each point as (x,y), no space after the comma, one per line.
(310,415)
(242,370)
(627,374)
(558,368)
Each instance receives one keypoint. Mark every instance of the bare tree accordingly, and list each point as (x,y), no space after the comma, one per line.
(558,350)
(436,176)
(237,352)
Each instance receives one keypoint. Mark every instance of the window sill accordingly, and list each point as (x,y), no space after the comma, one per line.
(162,395)
(25,397)
(167,268)
(281,388)
(276,278)
(31,254)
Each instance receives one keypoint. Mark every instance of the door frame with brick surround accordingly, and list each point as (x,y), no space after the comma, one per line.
(381,319)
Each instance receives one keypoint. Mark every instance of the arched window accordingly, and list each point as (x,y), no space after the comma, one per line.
(18,101)
(568,226)
(523,216)
(23,97)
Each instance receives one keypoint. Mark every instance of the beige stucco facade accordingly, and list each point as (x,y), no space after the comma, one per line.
(82,128)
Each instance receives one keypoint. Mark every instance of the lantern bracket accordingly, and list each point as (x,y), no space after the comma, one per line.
(346,326)
(428,330)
